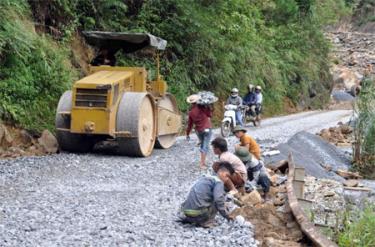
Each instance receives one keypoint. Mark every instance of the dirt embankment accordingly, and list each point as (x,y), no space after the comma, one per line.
(341,135)
(275,225)
(16,142)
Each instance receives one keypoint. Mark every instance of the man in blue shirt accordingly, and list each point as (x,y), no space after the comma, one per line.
(206,197)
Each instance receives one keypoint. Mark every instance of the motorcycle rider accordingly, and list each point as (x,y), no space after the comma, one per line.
(235,99)
(250,100)
(259,101)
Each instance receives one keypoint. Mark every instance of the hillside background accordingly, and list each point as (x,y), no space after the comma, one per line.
(212,45)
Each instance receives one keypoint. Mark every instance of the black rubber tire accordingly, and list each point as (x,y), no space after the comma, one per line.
(225,129)
(244,117)
(128,116)
(69,141)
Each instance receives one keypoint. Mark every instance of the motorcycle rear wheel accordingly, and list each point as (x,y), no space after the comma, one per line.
(257,121)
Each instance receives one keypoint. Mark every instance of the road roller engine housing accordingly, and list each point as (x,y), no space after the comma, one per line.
(118,103)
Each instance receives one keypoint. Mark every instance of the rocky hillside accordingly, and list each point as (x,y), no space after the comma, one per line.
(354,58)
(364,16)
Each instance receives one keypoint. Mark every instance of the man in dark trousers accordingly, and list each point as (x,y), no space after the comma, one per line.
(256,171)
(200,116)
(206,197)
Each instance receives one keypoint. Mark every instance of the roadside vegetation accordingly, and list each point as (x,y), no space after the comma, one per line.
(364,132)
(365,12)
(34,70)
(359,233)
(213,45)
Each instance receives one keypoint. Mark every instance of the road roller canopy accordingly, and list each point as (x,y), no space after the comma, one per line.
(128,42)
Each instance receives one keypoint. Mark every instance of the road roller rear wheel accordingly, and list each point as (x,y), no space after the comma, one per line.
(136,124)
(167,102)
(69,141)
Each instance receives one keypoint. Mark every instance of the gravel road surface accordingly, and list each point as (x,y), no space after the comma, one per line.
(102,200)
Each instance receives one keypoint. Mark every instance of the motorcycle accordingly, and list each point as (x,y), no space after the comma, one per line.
(251,115)
(229,120)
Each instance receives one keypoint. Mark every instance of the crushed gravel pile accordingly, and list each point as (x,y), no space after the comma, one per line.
(95,200)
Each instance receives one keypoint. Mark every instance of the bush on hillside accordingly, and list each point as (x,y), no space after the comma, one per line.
(364,132)
(359,229)
(213,45)
(34,70)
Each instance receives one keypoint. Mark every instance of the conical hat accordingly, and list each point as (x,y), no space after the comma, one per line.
(193,98)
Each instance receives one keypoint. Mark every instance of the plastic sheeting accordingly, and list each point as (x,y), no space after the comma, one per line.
(312,152)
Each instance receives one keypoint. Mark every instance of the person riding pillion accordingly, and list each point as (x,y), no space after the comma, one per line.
(250,99)
(259,99)
(235,99)
(200,116)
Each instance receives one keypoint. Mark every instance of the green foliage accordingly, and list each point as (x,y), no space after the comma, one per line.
(269,43)
(364,149)
(33,70)
(364,12)
(329,11)
(360,232)
(212,45)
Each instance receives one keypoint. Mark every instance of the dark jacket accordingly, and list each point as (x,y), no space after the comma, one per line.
(205,192)
(250,99)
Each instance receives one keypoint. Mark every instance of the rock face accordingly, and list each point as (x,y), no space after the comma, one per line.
(354,58)
(355,53)
(48,142)
(339,136)
(346,79)
(5,137)
(15,142)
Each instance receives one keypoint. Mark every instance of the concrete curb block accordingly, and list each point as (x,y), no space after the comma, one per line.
(306,226)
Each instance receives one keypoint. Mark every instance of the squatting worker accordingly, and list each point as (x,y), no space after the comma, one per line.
(239,177)
(256,171)
(200,117)
(247,141)
(205,198)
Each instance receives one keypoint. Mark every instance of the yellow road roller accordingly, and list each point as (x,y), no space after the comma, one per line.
(118,103)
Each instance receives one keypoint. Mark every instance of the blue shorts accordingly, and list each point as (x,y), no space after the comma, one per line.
(204,138)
